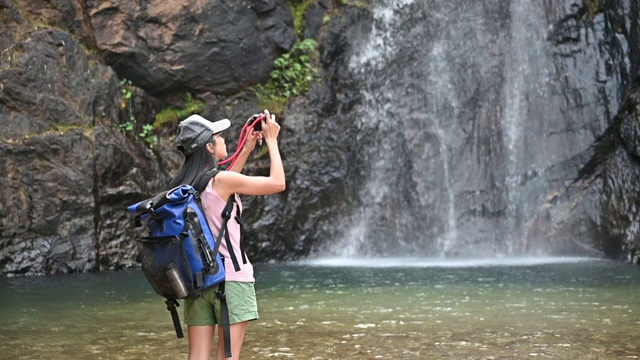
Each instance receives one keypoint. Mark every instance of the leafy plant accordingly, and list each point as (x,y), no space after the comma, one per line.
(125,104)
(127,93)
(129,126)
(147,135)
(292,74)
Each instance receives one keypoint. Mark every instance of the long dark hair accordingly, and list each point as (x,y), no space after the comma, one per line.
(195,164)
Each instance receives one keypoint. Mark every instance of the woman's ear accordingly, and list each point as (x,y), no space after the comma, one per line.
(211,147)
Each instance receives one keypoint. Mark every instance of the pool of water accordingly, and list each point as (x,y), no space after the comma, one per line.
(349,309)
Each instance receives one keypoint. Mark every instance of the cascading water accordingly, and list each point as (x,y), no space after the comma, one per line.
(526,78)
(458,130)
(443,96)
(378,116)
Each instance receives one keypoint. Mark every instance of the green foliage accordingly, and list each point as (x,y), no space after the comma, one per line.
(292,74)
(129,126)
(147,135)
(171,116)
(127,94)
(125,104)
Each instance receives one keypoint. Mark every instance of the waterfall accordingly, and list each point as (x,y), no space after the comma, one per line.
(453,105)
(443,96)
(525,86)
(377,116)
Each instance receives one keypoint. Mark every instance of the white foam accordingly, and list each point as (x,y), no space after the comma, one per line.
(380,262)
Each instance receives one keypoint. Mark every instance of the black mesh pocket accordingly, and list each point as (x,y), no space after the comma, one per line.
(166,267)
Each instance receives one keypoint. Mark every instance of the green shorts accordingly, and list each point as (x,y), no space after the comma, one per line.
(205,310)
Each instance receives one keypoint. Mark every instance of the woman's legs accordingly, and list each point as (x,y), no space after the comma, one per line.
(237,331)
(201,342)
(243,307)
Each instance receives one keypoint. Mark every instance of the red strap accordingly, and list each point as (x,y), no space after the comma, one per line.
(244,135)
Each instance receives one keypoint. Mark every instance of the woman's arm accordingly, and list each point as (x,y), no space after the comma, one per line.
(248,147)
(228,182)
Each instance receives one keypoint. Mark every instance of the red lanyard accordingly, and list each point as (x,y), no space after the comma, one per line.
(253,124)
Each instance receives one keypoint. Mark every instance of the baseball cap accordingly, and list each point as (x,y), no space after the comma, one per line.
(195,131)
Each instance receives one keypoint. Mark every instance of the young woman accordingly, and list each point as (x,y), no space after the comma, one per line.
(202,143)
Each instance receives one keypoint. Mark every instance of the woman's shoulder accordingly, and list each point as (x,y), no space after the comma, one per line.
(223,183)
(230,176)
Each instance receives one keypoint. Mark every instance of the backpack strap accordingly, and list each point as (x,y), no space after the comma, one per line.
(238,218)
(203,179)
(207,253)
(226,215)
(201,183)
(171,306)
(225,319)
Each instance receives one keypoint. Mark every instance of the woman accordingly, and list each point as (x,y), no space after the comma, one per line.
(202,142)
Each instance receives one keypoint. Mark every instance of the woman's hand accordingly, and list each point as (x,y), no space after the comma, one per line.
(254,137)
(270,128)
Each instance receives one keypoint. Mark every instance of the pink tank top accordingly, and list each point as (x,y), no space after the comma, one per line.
(213,206)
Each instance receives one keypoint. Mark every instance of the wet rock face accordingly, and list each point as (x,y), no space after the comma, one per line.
(197,46)
(51,95)
(48,81)
(595,211)
(67,171)
(437,159)
(621,184)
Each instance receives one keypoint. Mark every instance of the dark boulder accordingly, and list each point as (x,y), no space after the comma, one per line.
(198,46)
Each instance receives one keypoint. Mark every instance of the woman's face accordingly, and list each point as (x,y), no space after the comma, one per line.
(221,147)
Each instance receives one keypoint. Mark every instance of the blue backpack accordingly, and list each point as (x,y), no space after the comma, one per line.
(180,255)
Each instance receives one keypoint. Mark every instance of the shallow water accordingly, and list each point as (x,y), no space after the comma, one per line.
(388,309)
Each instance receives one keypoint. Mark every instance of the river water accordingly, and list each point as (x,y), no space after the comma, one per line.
(348,309)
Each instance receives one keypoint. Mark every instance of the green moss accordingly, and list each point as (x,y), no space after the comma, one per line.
(355,3)
(593,7)
(273,103)
(56,128)
(63,127)
(169,117)
(298,9)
